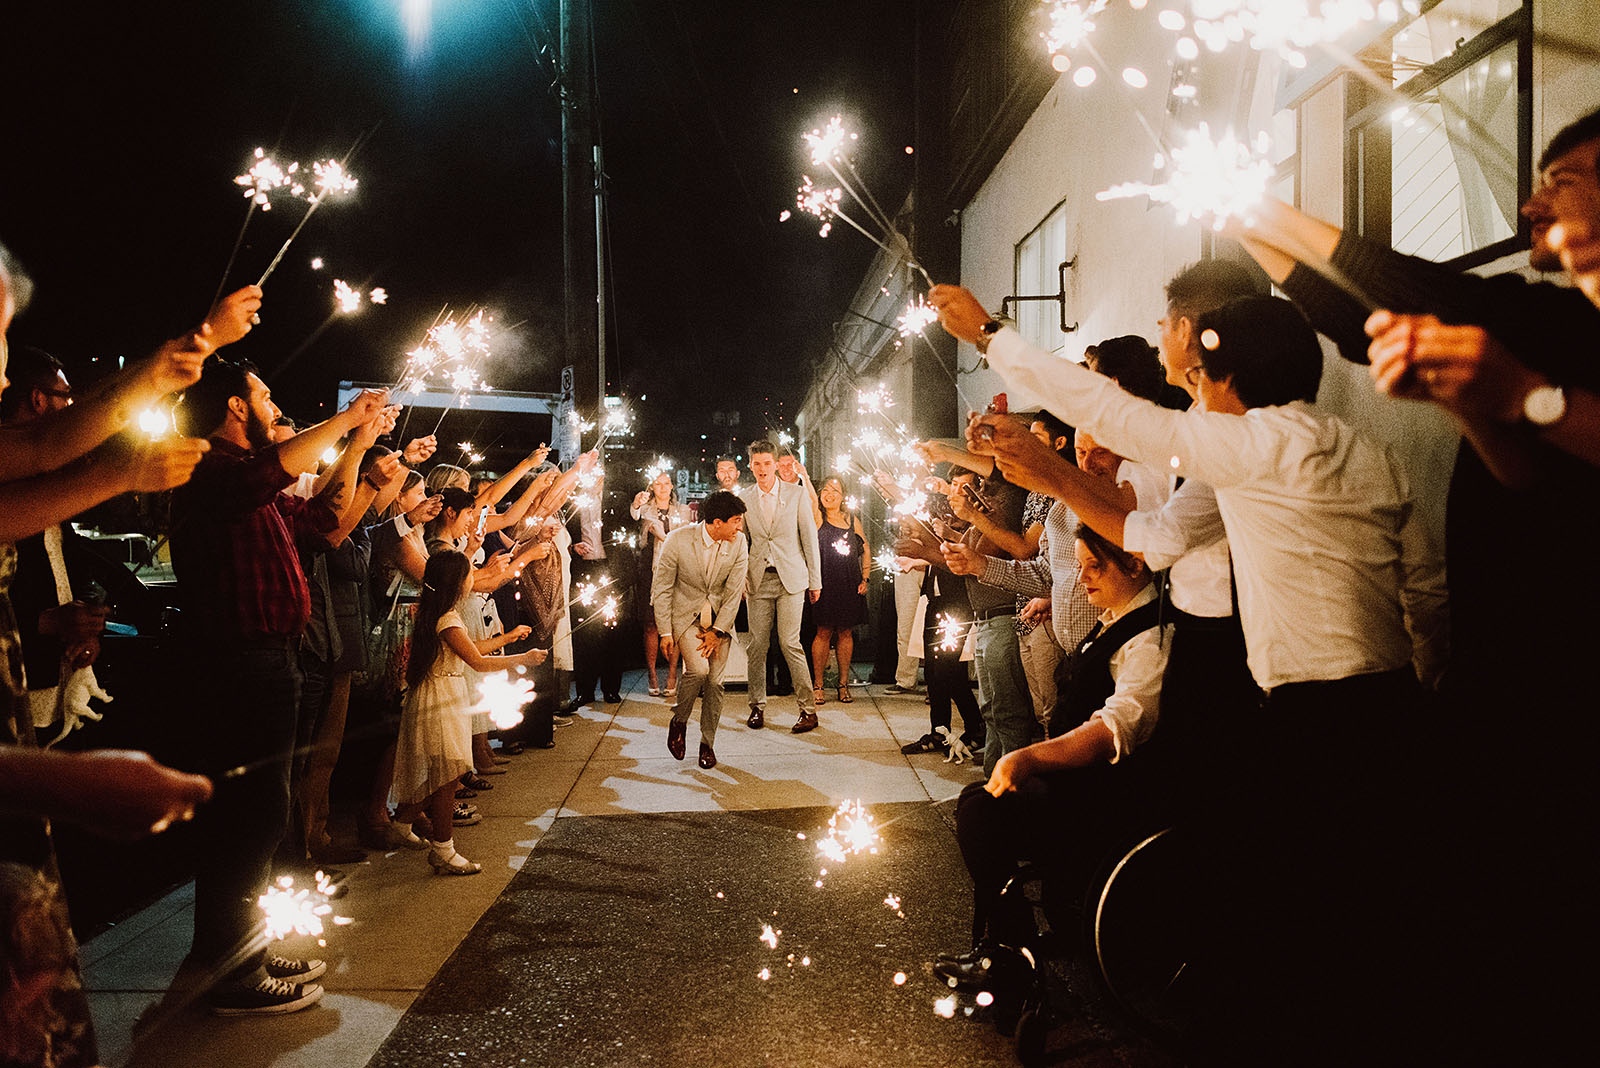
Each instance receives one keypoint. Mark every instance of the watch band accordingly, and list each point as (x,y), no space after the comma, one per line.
(986,334)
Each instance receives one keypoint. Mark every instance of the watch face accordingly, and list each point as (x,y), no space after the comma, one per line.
(1545,405)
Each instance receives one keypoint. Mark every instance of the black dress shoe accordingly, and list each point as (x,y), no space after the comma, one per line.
(806,722)
(757,719)
(708,759)
(613,698)
(675,733)
(967,975)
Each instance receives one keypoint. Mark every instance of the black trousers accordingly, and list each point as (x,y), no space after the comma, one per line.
(597,652)
(946,675)
(252,689)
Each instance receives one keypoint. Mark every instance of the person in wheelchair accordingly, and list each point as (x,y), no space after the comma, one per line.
(1062,804)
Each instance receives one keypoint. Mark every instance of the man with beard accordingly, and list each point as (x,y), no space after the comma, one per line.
(234,534)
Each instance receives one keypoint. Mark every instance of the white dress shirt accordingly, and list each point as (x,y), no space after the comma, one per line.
(1186,536)
(1152,487)
(1332,564)
(1134,707)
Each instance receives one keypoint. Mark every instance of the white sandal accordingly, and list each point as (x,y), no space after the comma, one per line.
(451,862)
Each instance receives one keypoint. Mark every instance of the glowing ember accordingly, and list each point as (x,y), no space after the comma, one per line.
(332,178)
(945,1007)
(984,998)
(316,263)
(892,901)
(899,978)
(502,698)
(379,296)
(1215,180)
(764,974)
(289,911)
(1070,24)
(769,936)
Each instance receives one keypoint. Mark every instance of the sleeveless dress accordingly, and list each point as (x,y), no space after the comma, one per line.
(839,605)
(435,746)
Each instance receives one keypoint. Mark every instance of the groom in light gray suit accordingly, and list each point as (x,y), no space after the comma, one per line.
(784,565)
(695,595)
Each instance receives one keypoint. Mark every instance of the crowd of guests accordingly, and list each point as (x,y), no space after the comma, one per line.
(1377,747)
(1189,597)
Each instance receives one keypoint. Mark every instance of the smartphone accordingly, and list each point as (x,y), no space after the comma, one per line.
(483,519)
(94,595)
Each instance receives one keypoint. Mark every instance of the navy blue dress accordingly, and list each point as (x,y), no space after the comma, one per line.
(839,605)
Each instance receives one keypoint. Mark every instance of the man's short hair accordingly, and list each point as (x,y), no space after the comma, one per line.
(727,460)
(28,369)
(17,280)
(1207,285)
(205,404)
(721,505)
(1266,346)
(1132,362)
(1055,426)
(1575,133)
(761,445)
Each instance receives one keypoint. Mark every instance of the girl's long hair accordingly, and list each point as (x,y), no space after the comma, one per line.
(443,581)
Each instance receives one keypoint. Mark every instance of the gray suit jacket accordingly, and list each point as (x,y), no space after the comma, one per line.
(789,543)
(678,589)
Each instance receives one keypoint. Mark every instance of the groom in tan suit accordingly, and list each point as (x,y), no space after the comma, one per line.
(784,565)
(694,592)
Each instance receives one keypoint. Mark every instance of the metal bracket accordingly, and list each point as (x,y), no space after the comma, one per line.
(1060,298)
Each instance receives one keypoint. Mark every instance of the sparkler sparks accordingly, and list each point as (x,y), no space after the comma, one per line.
(874,400)
(155,422)
(264,178)
(346,298)
(289,911)
(769,936)
(945,1006)
(952,632)
(815,200)
(502,698)
(886,561)
(1286,27)
(1070,22)
(917,318)
(1215,180)
(842,546)
(827,144)
(379,296)
(851,831)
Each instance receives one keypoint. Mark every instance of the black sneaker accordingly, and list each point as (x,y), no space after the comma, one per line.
(295,971)
(270,997)
(928,743)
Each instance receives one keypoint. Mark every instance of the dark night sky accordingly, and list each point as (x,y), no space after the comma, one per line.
(125,125)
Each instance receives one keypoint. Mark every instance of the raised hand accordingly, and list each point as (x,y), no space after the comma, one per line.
(418,450)
(177,364)
(959,311)
(517,633)
(364,406)
(1461,368)
(1022,458)
(384,470)
(233,316)
(425,511)
(962,559)
(162,464)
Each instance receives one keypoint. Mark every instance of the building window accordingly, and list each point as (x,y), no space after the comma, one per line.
(1440,167)
(1285,158)
(1038,272)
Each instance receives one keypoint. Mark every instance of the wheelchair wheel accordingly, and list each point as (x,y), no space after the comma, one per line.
(1141,927)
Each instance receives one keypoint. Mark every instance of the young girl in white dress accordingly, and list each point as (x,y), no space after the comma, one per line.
(435,746)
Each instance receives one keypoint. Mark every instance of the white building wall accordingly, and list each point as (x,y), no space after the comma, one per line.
(1080,141)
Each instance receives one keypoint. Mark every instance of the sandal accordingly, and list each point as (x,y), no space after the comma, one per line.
(475,782)
(818,697)
(845,696)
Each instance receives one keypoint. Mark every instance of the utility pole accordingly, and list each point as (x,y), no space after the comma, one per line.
(580,243)
(600,267)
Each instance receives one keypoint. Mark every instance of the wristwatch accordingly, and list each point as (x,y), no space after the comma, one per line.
(1544,405)
(986,334)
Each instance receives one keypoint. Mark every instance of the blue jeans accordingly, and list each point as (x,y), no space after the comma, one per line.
(1003,696)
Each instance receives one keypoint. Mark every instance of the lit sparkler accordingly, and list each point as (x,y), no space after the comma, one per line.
(346,298)
(1215,180)
(842,546)
(851,831)
(1069,24)
(917,318)
(331,180)
(952,632)
(155,423)
(886,561)
(823,203)
(289,911)
(264,178)
(1287,27)
(874,400)
(501,698)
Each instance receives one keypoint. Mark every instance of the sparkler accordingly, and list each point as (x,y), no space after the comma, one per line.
(289,911)
(851,831)
(501,698)
(155,423)
(917,318)
(331,180)
(1216,180)
(266,177)
(952,632)
(346,298)
(842,546)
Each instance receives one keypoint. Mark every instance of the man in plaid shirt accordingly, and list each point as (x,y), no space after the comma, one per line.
(234,549)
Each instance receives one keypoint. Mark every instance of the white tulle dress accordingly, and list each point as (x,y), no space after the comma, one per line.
(435,746)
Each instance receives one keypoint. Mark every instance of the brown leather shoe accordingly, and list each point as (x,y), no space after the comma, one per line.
(708,759)
(806,722)
(675,733)
(757,719)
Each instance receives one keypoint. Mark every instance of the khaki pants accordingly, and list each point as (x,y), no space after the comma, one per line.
(1040,653)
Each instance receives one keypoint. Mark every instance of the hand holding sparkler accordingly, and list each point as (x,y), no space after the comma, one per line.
(418,450)
(162,464)
(428,509)
(113,792)
(1463,369)
(962,559)
(231,318)
(1023,459)
(960,313)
